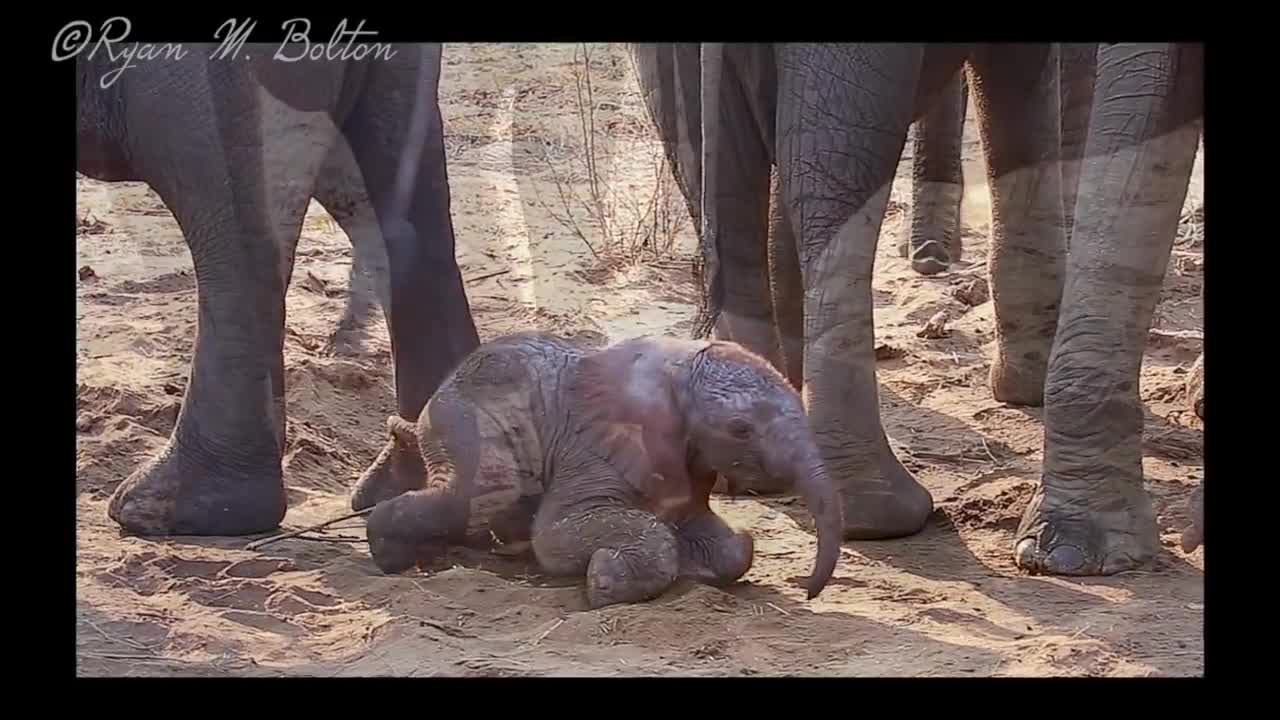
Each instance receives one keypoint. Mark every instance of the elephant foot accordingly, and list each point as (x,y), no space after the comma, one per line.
(397,470)
(930,258)
(890,504)
(181,492)
(1020,381)
(1193,535)
(627,576)
(1065,535)
(414,528)
(715,561)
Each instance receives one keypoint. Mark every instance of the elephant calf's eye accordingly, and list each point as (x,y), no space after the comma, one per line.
(739,429)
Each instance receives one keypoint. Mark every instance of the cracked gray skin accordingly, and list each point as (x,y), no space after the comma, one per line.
(1087,148)
(236,148)
(603,460)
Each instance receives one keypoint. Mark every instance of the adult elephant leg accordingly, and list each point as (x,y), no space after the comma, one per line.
(340,190)
(238,181)
(1078,65)
(738,127)
(1016,92)
(1091,515)
(670,79)
(430,317)
(843,114)
(787,284)
(937,181)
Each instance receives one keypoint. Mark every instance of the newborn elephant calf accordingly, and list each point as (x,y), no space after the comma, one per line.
(604,460)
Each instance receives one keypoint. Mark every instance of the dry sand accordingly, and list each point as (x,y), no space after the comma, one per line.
(947,601)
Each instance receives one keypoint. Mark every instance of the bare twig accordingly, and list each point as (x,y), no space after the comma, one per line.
(545,633)
(775,607)
(295,533)
(987,450)
(486,276)
(135,657)
(117,638)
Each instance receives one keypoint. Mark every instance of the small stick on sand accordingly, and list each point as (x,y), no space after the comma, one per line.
(302,531)
(486,277)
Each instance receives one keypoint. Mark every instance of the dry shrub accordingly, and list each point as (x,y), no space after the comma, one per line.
(614,188)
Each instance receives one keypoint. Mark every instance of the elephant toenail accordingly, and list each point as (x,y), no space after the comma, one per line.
(1065,559)
(1118,561)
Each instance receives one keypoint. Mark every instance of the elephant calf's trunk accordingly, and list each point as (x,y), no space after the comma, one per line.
(823,498)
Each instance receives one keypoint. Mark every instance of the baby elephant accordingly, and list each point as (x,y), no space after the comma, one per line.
(604,460)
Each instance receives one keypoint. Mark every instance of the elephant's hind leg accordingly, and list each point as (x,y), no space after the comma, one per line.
(1016,91)
(429,317)
(937,181)
(711,552)
(627,555)
(340,189)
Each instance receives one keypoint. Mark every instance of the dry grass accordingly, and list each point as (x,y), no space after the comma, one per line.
(613,185)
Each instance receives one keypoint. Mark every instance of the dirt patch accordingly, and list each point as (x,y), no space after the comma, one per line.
(947,601)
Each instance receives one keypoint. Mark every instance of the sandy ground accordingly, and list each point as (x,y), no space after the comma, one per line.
(947,601)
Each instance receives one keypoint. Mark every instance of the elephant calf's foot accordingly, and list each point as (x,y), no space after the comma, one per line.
(633,574)
(179,492)
(890,504)
(413,528)
(1064,535)
(716,561)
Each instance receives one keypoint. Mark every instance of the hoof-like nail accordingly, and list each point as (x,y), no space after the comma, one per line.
(1065,559)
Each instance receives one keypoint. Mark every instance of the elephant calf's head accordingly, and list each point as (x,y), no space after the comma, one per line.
(725,407)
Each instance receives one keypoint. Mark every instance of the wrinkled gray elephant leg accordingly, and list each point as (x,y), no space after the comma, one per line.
(429,316)
(238,189)
(1016,92)
(787,284)
(735,190)
(937,181)
(340,189)
(669,76)
(839,140)
(1078,65)
(711,552)
(1091,514)
(627,555)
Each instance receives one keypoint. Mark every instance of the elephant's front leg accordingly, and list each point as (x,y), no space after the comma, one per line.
(937,181)
(1091,514)
(238,189)
(627,554)
(429,316)
(842,122)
